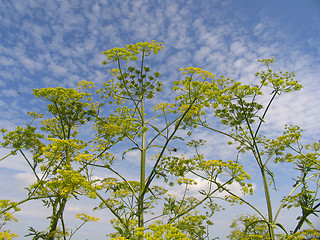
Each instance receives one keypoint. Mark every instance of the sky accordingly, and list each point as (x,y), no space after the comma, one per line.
(59,43)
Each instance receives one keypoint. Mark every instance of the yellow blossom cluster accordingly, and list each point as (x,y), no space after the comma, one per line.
(85,84)
(114,72)
(202,73)
(165,107)
(6,235)
(187,181)
(160,232)
(86,218)
(129,52)
(85,157)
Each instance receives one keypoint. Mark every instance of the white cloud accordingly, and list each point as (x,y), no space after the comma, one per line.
(9,93)
(14,162)
(57,43)
(73,209)
(238,48)
(26,178)
(133,156)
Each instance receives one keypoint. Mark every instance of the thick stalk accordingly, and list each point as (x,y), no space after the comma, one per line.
(269,205)
(142,169)
(266,191)
(56,216)
(54,220)
(256,153)
(143,151)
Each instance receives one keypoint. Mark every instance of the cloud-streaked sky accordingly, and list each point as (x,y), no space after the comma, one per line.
(59,43)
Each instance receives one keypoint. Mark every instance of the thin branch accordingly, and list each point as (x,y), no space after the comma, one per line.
(111,209)
(264,114)
(153,172)
(292,191)
(200,202)
(119,175)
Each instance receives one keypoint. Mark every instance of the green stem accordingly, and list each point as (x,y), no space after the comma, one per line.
(200,202)
(21,202)
(143,155)
(223,133)
(265,112)
(231,193)
(11,153)
(154,169)
(304,218)
(292,191)
(166,128)
(120,176)
(56,215)
(113,211)
(269,205)
(142,170)
(263,169)
(71,235)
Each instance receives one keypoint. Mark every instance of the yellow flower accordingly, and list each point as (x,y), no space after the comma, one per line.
(87,218)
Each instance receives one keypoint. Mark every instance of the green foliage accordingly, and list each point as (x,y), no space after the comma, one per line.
(308,234)
(6,235)
(239,108)
(248,227)
(63,164)
(130,88)
(7,204)
(58,157)
(155,232)
(7,209)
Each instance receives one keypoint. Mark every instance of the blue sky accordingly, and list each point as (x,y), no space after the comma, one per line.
(59,43)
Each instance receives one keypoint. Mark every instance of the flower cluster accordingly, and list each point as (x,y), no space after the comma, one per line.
(130,52)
